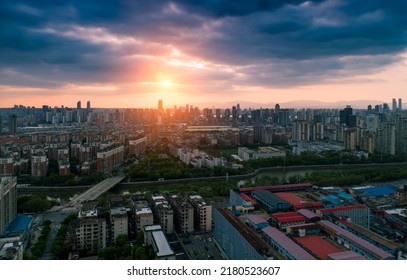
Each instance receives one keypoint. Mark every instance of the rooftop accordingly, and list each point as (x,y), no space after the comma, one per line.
(290,246)
(318,246)
(20,224)
(162,245)
(255,241)
(365,245)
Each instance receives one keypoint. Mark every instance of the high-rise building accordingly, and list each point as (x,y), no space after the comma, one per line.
(400,104)
(394,104)
(160,105)
(78,105)
(13,124)
(202,212)
(39,165)
(183,213)
(91,228)
(88,105)
(8,201)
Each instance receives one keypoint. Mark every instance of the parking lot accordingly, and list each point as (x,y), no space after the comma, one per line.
(201,247)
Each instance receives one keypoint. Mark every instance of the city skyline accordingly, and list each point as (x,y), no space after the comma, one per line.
(131,54)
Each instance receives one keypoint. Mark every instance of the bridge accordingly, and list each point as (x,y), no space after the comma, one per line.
(96,190)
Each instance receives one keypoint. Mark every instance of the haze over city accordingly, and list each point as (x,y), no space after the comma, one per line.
(132,53)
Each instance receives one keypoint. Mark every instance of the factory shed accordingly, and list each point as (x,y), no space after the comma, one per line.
(304,229)
(285,245)
(249,201)
(317,246)
(278,188)
(256,221)
(272,202)
(377,191)
(298,202)
(358,244)
(311,216)
(347,255)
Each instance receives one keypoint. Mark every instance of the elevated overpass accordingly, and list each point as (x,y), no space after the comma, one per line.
(96,190)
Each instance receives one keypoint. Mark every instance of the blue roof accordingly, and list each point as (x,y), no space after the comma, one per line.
(18,225)
(378,191)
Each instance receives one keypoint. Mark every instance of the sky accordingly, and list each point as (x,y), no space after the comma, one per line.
(132,53)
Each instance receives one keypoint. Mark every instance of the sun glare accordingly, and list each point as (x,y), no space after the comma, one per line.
(165,83)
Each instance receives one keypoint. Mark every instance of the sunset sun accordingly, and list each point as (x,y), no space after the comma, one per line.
(165,83)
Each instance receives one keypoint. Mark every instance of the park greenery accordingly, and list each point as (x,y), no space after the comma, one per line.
(32,204)
(60,248)
(124,250)
(37,250)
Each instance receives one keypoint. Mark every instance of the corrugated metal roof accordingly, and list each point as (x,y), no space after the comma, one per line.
(277,187)
(378,191)
(269,197)
(256,219)
(343,208)
(318,246)
(290,246)
(372,249)
(347,255)
(307,213)
(287,217)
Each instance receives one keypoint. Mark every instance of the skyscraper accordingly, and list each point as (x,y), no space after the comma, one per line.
(88,105)
(78,105)
(400,104)
(160,105)
(394,105)
(13,124)
(8,201)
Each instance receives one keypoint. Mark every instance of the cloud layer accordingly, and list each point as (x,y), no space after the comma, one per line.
(218,43)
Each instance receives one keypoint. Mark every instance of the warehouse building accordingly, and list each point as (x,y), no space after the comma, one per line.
(288,248)
(358,214)
(256,221)
(285,219)
(355,243)
(272,202)
(374,238)
(317,246)
(236,240)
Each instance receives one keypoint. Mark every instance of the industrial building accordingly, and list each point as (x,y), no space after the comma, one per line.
(299,202)
(355,243)
(285,219)
(376,239)
(359,214)
(285,246)
(269,200)
(317,246)
(256,221)
(236,240)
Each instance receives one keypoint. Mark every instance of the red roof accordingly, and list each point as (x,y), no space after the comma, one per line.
(277,187)
(248,198)
(318,246)
(287,217)
(343,208)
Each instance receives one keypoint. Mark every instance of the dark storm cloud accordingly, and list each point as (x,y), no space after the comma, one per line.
(276,42)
